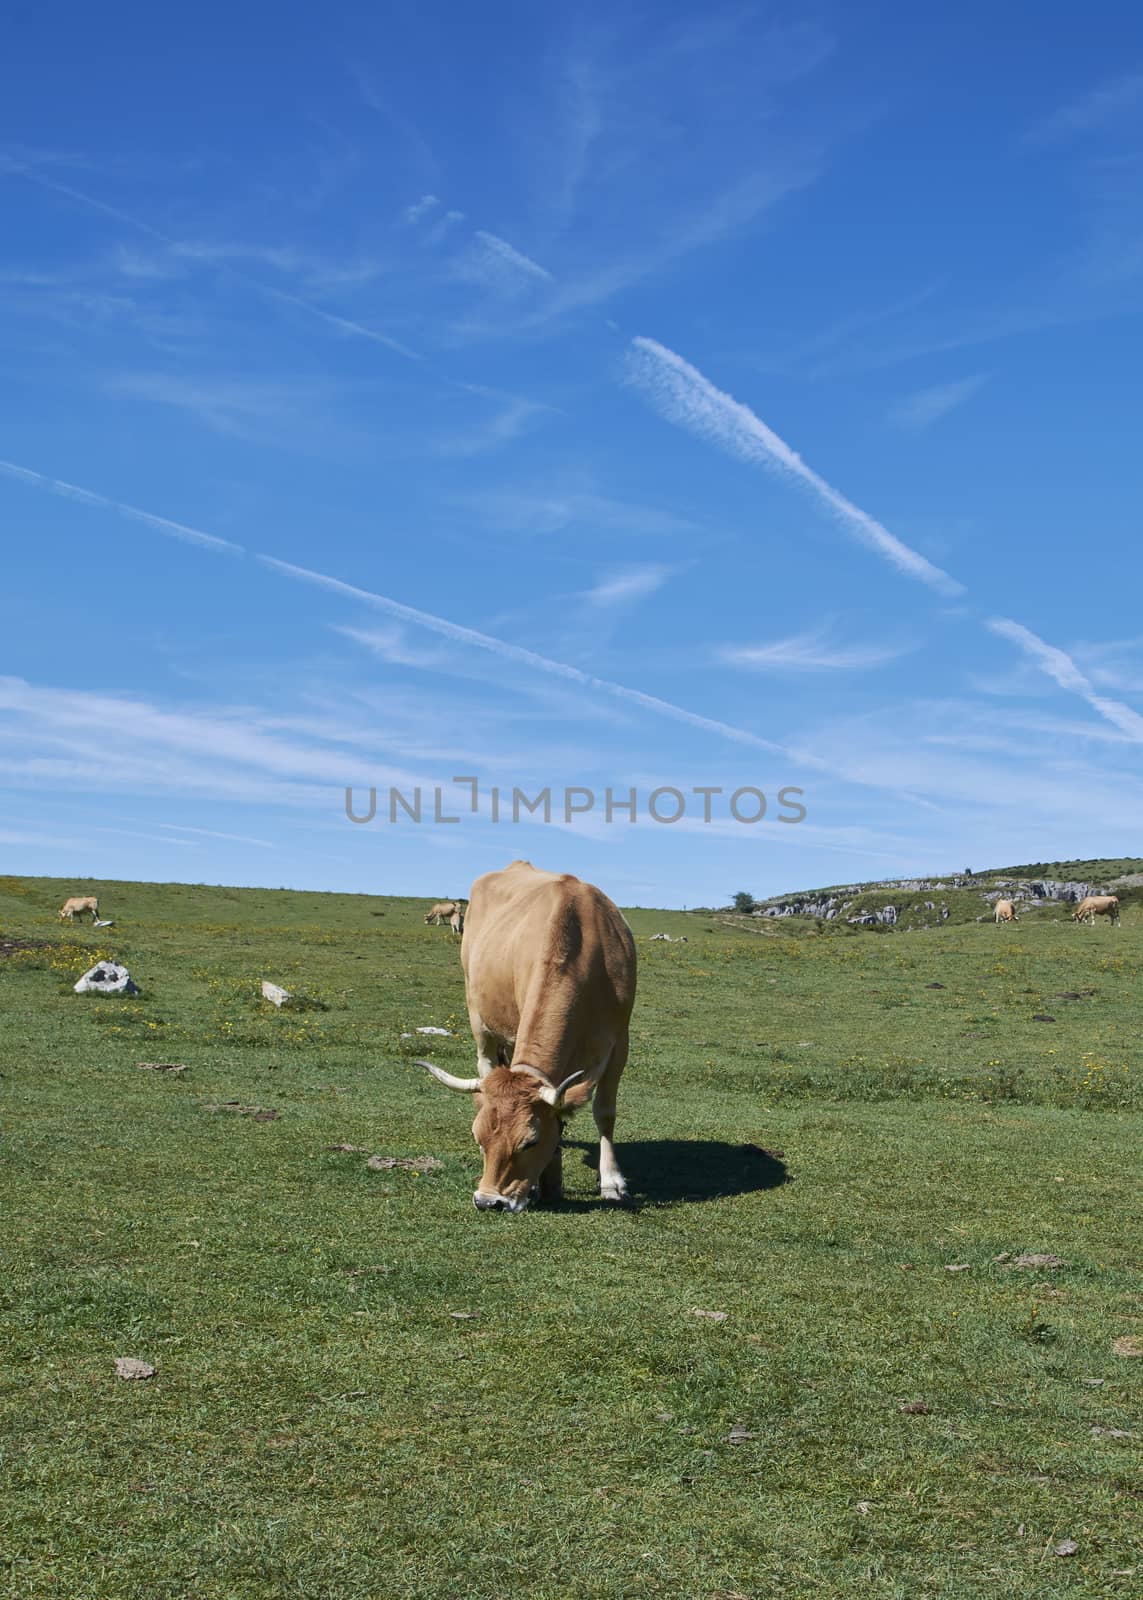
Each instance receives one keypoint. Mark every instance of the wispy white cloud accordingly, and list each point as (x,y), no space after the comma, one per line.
(926,406)
(811,652)
(710,222)
(1114,664)
(622,588)
(321,274)
(377,97)
(409,614)
(234,737)
(51,841)
(443,225)
(224,252)
(1108,104)
(494,264)
(126,743)
(1047,305)
(548,511)
(513,417)
(344,324)
(92,202)
(69,491)
(1060,667)
(1004,729)
(223,262)
(511,257)
(581,113)
(144,266)
(698,98)
(86,302)
(414,213)
(391,646)
(234,406)
(212,833)
(518,655)
(1047,787)
(844,328)
(689,400)
(21,159)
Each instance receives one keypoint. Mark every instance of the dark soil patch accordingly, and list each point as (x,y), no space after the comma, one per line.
(12,947)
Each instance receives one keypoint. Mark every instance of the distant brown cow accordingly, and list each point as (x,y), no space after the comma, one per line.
(1097,905)
(456,921)
(77,903)
(443,911)
(1006,911)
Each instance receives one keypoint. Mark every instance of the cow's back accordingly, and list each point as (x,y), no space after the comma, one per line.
(530,933)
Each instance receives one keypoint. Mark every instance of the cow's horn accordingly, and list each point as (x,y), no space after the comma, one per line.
(466,1085)
(550,1092)
(533,1072)
(576,1077)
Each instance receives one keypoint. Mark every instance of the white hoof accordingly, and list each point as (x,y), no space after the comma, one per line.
(615,1190)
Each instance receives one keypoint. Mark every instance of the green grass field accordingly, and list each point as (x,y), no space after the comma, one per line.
(816,1127)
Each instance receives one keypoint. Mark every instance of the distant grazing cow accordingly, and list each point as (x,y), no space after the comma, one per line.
(443,911)
(1097,905)
(77,903)
(456,921)
(549,979)
(1006,911)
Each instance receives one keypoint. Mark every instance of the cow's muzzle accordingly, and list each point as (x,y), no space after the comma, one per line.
(497,1202)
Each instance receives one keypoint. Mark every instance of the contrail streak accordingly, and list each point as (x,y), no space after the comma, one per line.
(685,397)
(87,497)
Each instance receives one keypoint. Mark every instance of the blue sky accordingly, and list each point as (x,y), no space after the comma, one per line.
(607,396)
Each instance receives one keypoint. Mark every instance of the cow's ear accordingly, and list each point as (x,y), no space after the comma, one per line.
(575,1098)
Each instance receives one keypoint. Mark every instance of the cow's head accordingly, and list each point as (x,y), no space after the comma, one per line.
(519,1112)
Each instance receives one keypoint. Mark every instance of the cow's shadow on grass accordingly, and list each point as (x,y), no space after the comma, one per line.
(687,1170)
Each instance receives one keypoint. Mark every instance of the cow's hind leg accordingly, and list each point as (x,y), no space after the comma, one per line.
(612,1184)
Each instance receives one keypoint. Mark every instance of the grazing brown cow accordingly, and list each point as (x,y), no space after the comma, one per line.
(1006,911)
(443,911)
(77,903)
(549,978)
(1097,905)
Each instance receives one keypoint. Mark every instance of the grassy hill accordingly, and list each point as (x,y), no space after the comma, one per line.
(840,1144)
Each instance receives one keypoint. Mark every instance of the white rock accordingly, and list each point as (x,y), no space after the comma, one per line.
(107,977)
(273,993)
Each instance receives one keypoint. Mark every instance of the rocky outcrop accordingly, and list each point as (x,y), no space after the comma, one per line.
(836,903)
(802,906)
(1054,889)
(887,915)
(1066,890)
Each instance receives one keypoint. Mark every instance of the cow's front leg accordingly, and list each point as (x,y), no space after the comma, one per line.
(488,1044)
(552,1179)
(612,1184)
